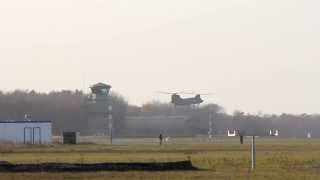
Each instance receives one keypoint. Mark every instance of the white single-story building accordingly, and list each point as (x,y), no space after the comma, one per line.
(27,132)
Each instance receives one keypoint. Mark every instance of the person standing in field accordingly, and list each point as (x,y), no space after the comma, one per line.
(160,139)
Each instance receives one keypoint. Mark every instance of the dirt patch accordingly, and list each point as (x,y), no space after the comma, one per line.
(67,167)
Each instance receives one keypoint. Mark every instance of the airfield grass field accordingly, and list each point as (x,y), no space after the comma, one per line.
(224,158)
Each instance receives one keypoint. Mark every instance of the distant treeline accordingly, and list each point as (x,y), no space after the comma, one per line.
(289,125)
(67,110)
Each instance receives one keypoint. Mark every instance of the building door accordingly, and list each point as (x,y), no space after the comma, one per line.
(36,135)
(28,135)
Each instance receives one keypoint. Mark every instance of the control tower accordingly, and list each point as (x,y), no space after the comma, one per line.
(97,104)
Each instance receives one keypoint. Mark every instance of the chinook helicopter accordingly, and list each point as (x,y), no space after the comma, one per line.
(177,100)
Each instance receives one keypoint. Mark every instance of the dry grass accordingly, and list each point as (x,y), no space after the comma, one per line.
(283,159)
(7,147)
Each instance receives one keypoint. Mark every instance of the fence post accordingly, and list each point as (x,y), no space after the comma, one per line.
(253,154)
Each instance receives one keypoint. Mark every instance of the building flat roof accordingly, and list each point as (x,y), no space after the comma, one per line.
(20,121)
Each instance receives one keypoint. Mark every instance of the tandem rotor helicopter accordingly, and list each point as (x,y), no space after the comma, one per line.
(177,100)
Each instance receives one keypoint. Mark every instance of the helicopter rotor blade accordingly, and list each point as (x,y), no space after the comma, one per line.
(184,92)
(194,93)
(163,92)
(160,92)
(207,94)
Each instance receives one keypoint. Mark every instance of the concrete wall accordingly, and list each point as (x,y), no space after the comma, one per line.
(97,125)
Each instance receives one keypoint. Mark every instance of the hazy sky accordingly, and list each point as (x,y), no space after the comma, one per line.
(256,55)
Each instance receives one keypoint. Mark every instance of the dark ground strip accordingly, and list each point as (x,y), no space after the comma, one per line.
(68,167)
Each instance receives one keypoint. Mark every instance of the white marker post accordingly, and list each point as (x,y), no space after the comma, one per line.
(253,154)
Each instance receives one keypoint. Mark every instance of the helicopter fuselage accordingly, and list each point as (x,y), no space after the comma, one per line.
(178,101)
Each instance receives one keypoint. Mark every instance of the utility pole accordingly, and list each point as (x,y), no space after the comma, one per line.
(210,132)
(211,124)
